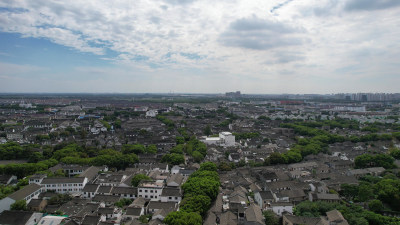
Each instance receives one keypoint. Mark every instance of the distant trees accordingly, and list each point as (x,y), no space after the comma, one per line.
(173,158)
(378,160)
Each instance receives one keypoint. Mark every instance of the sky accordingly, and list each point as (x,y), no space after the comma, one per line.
(200,46)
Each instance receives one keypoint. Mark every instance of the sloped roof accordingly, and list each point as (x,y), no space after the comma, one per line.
(24,192)
(254,214)
(14,217)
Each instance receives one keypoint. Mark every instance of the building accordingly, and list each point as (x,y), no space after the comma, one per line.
(27,193)
(150,189)
(225,139)
(19,217)
(63,185)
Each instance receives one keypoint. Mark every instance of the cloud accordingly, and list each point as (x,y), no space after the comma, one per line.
(190,42)
(260,34)
(354,5)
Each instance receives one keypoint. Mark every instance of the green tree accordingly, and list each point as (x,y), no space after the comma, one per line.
(210,166)
(197,156)
(395,153)
(137,178)
(349,191)
(198,203)
(183,218)
(19,205)
(137,149)
(151,149)
(270,218)
(123,202)
(207,130)
(375,205)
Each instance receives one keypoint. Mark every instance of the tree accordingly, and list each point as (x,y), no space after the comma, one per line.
(349,191)
(137,149)
(365,192)
(210,166)
(183,218)
(375,205)
(123,202)
(198,203)
(201,186)
(151,149)
(395,153)
(137,178)
(173,158)
(19,205)
(270,218)
(207,130)
(197,156)
(277,158)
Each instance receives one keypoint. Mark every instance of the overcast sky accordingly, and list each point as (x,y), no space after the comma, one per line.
(200,46)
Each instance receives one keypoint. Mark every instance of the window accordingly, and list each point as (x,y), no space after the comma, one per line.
(145,191)
(169,197)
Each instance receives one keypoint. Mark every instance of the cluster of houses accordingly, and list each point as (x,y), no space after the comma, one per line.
(95,192)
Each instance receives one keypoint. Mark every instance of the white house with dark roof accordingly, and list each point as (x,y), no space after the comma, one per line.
(27,193)
(150,190)
(171,195)
(64,185)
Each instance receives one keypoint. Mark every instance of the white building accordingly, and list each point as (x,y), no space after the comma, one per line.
(151,189)
(64,185)
(224,139)
(27,193)
(151,113)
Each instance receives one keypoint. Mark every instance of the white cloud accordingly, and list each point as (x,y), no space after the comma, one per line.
(247,42)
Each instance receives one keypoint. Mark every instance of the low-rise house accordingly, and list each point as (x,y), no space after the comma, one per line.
(323,197)
(263,198)
(281,207)
(110,179)
(154,206)
(125,192)
(64,185)
(150,190)
(296,220)
(109,213)
(8,179)
(133,213)
(37,205)
(52,220)
(253,216)
(106,199)
(19,217)
(302,166)
(91,220)
(169,194)
(37,178)
(104,190)
(27,193)
(90,190)
(175,180)
(374,171)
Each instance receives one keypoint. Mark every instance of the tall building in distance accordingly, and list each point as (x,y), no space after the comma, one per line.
(236,94)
